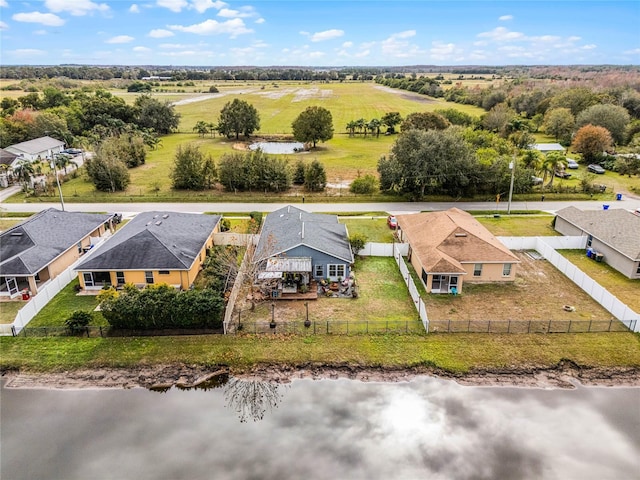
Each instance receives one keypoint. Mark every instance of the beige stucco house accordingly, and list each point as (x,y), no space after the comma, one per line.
(449,248)
(154,247)
(37,250)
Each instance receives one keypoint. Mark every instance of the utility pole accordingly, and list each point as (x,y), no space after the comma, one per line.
(55,172)
(512,166)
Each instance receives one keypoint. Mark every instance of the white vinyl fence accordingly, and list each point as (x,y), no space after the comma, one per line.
(400,249)
(547,246)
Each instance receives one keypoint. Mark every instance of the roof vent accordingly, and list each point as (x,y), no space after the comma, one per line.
(165,216)
(16,234)
(461,234)
(149,223)
(159,222)
(156,216)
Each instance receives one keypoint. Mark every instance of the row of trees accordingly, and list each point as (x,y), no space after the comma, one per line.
(243,171)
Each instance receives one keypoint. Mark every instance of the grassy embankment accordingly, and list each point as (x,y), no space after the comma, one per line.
(458,353)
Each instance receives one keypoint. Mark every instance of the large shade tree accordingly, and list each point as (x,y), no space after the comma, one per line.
(559,122)
(612,117)
(152,113)
(238,118)
(313,125)
(592,141)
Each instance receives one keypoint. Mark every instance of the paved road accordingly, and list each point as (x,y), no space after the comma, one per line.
(391,207)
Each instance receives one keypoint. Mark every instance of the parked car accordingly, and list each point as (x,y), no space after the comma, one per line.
(572,164)
(72,151)
(536,180)
(562,174)
(392,222)
(595,168)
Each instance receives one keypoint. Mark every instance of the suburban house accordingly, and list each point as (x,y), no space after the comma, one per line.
(39,149)
(450,247)
(40,248)
(154,247)
(297,248)
(612,235)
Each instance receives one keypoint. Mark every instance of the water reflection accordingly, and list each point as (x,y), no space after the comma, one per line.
(329,429)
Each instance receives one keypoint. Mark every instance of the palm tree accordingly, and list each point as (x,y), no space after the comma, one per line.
(63,161)
(374,125)
(361,126)
(213,128)
(23,171)
(552,162)
(201,127)
(351,127)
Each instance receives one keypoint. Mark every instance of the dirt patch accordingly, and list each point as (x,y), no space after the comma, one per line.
(540,292)
(163,377)
(414,97)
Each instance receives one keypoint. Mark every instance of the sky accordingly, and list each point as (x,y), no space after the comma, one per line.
(318,33)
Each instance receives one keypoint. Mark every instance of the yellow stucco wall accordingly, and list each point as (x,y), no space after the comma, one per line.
(491,272)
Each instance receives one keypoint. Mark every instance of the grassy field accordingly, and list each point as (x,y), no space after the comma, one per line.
(9,310)
(375,229)
(627,290)
(457,353)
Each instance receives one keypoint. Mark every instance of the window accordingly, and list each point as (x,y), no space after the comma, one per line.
(148,276)
(119,278)
(436,282)
(589,241)
(506,269)
(638,269)
(164,272)
(336,270)
(425,276)
(477,270)
(319,271)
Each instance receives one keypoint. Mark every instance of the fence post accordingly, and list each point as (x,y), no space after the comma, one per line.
(549,327)
(489,327)
(327,327)
(387,330)
(449,326)
(569,329)
(529,327)
(406,326)
(367,327)
(610,322)
(589,326)
(347,327)
(13,330)
(509,327)
(101,331)
(46,332)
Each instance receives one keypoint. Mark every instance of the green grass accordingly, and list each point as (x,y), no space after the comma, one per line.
(622,287)
(9,310)
(457,353)
(63,305)
(7,224)
(375,229)
(519,226)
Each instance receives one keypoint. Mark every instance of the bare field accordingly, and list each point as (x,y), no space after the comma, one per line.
(540,292)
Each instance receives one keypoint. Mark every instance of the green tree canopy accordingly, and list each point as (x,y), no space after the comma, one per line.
(238,117)
(391,120)
(192,170)
(152,113)
(424,121)
(559,122)
(612,117)
(315,177)
(592,141)
(313,125)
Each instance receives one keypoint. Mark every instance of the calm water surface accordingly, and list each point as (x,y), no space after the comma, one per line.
(330,429)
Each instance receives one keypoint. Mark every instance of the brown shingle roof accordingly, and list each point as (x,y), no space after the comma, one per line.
(445,240)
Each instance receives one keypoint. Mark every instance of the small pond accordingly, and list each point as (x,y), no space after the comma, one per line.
(279,148)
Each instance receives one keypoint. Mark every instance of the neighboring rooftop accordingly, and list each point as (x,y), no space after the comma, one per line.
(7,158)
(35,146)
(616,227)
(290,227)
(445,240)
(28,247)
(154,241)
(548,147)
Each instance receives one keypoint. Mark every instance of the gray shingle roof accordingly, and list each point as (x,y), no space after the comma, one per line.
(154,241)
(7,158)
(37,145)
(617,228)
(28,247)
(290,227)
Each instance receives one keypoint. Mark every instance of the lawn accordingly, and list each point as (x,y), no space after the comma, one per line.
(457,353)
(627,290)
(375,229)
(9,310)
(63,305)
(383,297)
(519,226)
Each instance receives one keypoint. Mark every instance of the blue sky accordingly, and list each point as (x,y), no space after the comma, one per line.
(318,33)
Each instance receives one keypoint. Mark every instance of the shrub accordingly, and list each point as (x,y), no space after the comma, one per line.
(78,320)
(357,242)
(365,185)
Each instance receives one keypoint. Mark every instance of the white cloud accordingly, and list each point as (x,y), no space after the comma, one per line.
(173,5)
(327,35)
(398,46)
(28,52)
(120,39)
(134,9)
(505,18)
(347,45)
(501,34)
(3,3)
(635,51)
(260,44)
(591,46)
(573,39)
(363,53)
(141,49)
(260,21)
(40,32)
(443,51)
(242,12)
(48,19)
(77,8)
(160,33)
(316,54)
(202,6)
(3,26)
(232,27)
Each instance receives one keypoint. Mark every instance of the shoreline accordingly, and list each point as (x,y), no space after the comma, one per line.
(565,375)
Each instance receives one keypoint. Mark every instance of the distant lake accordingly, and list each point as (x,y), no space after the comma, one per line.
(329,429)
